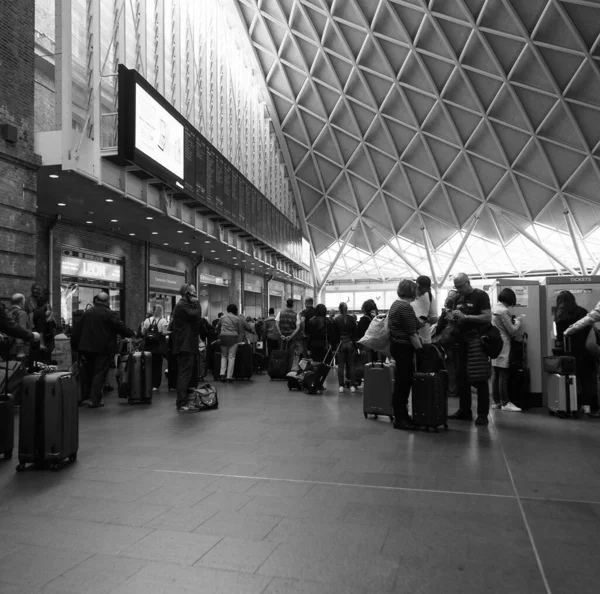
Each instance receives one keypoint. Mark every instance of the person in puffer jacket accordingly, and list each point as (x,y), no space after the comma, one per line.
(589,320)
(472,312)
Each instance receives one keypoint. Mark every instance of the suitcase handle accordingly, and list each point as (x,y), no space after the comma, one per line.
(567,344)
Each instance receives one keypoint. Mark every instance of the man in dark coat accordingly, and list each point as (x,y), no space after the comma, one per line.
(96,337)
(186,323)
(9,327)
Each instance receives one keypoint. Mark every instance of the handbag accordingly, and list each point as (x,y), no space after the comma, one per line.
(491,341)
(205,397)
(377,336)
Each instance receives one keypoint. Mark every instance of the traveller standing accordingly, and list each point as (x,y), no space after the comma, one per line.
(404,340)
(271,333)
(424,307)
(345,330)
(288,325)
(305,316)
(20,317)
(232,329)
(472,313)
(186,322)
(317,334)
(154,331)
(502,319)
(96,337)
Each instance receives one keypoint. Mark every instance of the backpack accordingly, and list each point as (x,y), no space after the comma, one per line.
(153,334)
(491,341)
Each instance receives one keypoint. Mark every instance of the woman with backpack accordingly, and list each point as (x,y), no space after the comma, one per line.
(154,331)
(317,334)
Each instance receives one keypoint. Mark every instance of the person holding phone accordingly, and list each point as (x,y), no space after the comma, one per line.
(186,322)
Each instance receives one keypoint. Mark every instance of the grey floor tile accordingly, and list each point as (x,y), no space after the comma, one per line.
(235,524)
(237,554)
(225,500)
(285,586)
(230,485)
(174,496)
(99,574)
(172,547)
(162,578)
(280,488)
(34,566)
(182,519)
(373,573)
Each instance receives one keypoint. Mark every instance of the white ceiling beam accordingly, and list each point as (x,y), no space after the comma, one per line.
(349,235)
(571,228)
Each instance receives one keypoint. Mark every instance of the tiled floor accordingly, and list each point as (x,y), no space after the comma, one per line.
(279,492)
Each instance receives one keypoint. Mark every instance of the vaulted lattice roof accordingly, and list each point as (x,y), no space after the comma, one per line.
(409,120)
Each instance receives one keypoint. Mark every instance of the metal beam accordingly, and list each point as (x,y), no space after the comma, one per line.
(596,268)
(461,246)
(537,243)
(349,235)
(569,221)
(374,227)
(428,249)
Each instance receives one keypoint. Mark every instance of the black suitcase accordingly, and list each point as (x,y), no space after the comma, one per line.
(135,378)
(48,420)
(279,364)
(7,418)
(243,368)
(429,400)
(259,362)
(519,376)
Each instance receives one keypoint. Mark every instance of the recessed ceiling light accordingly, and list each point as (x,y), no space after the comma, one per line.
(229,250)
(193,251)
(207,241)
(132,234)
(53,176)
(234,258)
(186,243)
(216,258)
(61,204)
(165,243)
(149,218)
(212,251)
(109,200)
(243,260)
(180,231)
(154,232)
(89,222)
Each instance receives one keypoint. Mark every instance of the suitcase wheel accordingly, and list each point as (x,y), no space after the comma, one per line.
(366,415)
(8,455)
(446,426)
(20,468)
(551,412)
(391,418)
(73,458)
(375,416)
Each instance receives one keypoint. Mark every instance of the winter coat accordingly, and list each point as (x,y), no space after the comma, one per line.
(478,364)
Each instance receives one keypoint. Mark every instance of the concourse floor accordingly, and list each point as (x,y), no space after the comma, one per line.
(280,492)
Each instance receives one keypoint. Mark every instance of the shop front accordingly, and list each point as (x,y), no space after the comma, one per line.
(214,284)
(276,293)
(253,295)
(163,289)
(84,274)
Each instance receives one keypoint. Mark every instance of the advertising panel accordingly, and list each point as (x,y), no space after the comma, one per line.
(165,281)
(219,182)
(211,174)
(91,269)
(227,188)
(200,169)
(235,196)
(242,201)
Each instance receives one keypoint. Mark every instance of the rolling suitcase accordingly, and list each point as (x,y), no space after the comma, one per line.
(243,367)
(258,361)
(429,400)
(519,376)
(136,378)
(378,389)
(278,364)
(7,418)
(49,420)
(562,395)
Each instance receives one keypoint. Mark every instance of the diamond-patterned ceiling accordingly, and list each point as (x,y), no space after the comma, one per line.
(424,128)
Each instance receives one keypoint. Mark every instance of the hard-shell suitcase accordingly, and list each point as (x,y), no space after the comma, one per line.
(429,400)
(378,389)
(278,364)
(243,367)
(15,371)
(7,418)
(136,378)
(48,420)
(7,426)
(562,395)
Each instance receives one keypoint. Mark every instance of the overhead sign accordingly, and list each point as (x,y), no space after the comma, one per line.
(252,288)
(209,279)
(165,281)
(92,269)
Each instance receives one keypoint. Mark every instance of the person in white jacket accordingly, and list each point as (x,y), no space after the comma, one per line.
(502,319)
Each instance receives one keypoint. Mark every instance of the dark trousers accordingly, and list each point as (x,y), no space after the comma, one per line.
(185,369)
(157,363)
(272,345)
(500,377)
(346,361)
(463,387)
(587,388)
(318,348)
(95,368)
(403,355)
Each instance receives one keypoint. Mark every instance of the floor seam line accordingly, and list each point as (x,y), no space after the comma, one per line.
(523,514)
(332,484)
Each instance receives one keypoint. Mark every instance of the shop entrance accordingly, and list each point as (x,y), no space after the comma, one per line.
(167,302)
(218,300)
(74,296)
(252,304)
(276,303)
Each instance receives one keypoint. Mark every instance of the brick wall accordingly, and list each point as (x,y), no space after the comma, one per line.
(18,163)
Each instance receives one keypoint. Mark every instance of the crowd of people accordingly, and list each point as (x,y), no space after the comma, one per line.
(316,333)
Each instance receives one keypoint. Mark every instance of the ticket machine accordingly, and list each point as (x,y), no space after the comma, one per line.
(586,290)
(528,304)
